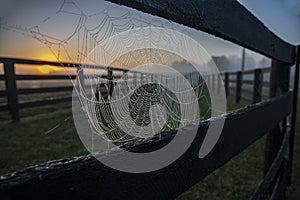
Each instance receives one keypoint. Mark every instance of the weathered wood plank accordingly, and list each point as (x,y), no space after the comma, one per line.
(44,102)
(266,70)
(245,91)
(247,99)
(248,82)
(251,71)
(220,18)
(86,178)
(44,90)
(3,93)
(59,77)
(57,63)
(3,107)
(45,77)
(39,62)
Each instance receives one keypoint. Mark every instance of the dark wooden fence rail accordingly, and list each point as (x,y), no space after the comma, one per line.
(86,178)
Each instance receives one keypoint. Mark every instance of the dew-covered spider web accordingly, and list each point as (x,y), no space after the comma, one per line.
(127,93)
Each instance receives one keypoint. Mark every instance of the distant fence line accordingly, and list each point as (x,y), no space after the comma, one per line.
(12,92)
(233,87)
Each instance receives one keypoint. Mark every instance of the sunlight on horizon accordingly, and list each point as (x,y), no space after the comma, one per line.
(48,69)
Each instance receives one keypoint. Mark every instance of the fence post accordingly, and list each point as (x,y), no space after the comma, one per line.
(110,81)
(239,79)
(279,84)
(294,113)
(208,77)
(213,82)
(257,85)
(227,84)
(219,77)
(11,89)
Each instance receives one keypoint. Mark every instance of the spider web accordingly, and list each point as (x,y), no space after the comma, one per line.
(92,30)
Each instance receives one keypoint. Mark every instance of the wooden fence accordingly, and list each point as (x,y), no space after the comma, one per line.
(233,86)
(256,82)
(12,92)
(86,178)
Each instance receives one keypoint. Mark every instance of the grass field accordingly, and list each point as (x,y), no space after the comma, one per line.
(48,133)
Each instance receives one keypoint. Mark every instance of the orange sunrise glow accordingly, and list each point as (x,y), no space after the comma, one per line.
(48,69)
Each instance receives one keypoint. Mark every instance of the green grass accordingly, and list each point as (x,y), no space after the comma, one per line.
(35,139)
(48,133)
(237,179)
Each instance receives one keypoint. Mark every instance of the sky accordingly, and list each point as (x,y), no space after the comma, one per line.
(280,16)
(59,30)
